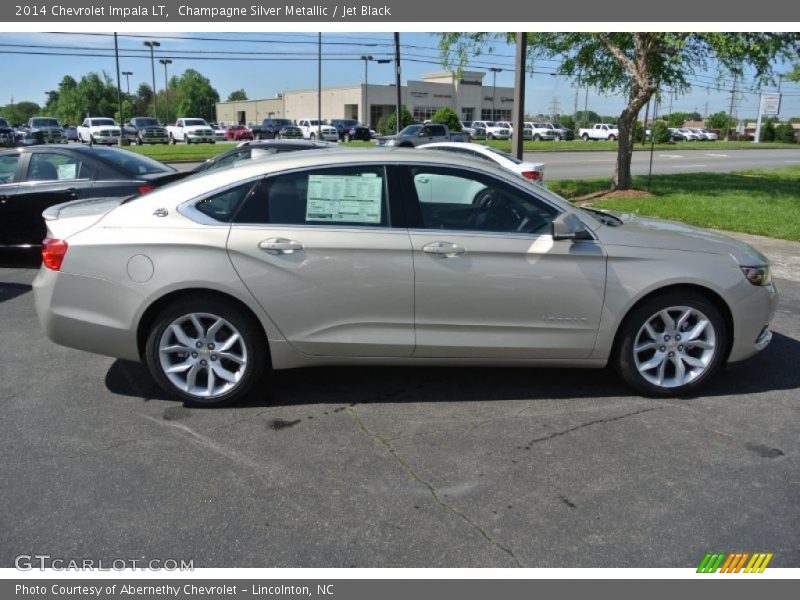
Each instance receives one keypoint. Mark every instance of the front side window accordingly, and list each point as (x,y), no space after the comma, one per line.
(464,201)
(349,196)
(49,166)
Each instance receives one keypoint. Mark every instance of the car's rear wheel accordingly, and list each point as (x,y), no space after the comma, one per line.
(671,344)
(611,138)
(585,137)
(205,351)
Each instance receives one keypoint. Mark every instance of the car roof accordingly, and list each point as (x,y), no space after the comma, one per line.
(78,149)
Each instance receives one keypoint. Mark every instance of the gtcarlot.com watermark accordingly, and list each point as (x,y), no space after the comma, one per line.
(45,562)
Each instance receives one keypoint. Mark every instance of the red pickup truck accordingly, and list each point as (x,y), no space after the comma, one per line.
(238,133)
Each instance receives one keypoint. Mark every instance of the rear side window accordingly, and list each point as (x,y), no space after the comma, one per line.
(350,196)
(50,166)
(223,205)
(8,166)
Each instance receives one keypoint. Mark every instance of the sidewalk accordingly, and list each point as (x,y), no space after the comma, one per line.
(784,255)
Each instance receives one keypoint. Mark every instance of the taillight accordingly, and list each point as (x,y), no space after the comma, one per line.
(53,252)
(535,175)
(143,189)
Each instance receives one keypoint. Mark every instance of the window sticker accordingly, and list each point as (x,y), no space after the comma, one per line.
(344,198)
(69,171)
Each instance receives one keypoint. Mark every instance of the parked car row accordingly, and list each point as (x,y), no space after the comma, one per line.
(692,134)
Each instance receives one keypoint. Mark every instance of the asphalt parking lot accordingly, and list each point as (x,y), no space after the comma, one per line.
(384,467)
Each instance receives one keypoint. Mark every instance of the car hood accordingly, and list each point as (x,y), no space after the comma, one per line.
(669,235)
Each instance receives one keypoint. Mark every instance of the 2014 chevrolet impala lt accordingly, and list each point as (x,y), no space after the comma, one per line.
(391,257)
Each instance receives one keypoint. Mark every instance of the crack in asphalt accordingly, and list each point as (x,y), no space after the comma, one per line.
(590,423)
(387,444)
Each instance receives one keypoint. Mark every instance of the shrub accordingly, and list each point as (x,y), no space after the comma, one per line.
(660,133)
(387,126)
(447,116)
(785,133)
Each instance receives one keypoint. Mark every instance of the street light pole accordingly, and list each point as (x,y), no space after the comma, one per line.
(165,62)
(153,44)
(128,80)
(365,112)
(495,71)
(121,139)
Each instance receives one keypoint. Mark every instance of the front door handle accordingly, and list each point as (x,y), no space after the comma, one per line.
(72,192)
(444,249)
(280,246)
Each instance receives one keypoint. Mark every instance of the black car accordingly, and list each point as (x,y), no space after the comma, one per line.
(350,129)
(259,149)
(72,133)
(7,137)
(276,129)
(37,177)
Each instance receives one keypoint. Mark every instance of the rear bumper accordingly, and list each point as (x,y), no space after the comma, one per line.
(89,314)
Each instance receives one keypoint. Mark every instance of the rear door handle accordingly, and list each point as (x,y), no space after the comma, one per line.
(444,249)
(280,246)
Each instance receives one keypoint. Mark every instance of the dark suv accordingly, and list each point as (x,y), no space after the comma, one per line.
(276,129)
(350,129)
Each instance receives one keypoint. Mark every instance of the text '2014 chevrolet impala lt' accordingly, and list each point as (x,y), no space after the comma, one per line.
(391,257)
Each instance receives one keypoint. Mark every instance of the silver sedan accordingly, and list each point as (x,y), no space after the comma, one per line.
(391,257)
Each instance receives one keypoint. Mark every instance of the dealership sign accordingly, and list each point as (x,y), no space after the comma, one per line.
(770,104)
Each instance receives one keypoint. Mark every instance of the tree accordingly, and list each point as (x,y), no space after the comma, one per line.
(447,116)
(677,119)
(637,64)
(586,118)
(785,133)
(719,120)
(567,121)
(19,113)
(660,133)
(194,94)
(768,129)
(386,125)
(237,96)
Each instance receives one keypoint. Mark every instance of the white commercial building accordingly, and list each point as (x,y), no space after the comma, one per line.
(465,93)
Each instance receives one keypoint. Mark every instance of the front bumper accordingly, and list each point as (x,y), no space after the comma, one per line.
(752,317)
(200,138)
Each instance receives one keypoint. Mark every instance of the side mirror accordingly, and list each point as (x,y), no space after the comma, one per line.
(422,133)
(567,226)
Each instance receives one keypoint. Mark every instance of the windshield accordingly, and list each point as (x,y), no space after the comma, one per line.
(411,130)
(282,122)
(103,122)
(489,123)
(316,122)
(188,122)
(3,123)
(348,123)
(147,122)
(135,164)
(44,123)
(560,126)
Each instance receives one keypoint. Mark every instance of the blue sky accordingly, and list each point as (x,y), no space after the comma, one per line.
(28,76)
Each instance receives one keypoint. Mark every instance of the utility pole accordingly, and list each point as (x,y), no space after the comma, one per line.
(644,129)
(319,85)
(554,110)
(128,80)
(119,90)
(495,71)
(397,78)
(519,95)
(365,112)
(730,110)
(705,112)
(153,44)
(575,112)
(586,108)
(165,62)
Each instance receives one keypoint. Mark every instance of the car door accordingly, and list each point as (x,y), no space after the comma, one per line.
(328,261)
(49,178)
(490,281)
(9,168)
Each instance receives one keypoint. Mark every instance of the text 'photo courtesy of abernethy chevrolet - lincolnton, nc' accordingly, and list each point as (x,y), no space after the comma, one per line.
(386,256)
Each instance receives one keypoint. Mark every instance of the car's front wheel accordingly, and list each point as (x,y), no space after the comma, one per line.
(205,351)
(671,344)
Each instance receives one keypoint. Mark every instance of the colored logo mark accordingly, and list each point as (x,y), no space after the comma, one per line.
(735,562)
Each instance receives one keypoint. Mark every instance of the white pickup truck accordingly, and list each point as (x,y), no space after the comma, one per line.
(494,131)
(99,131)
(601,131)
(312,129)
(191,131)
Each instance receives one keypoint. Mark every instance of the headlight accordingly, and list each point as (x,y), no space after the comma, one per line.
(391,142)
(758,275)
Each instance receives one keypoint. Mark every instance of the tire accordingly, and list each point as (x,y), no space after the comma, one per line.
(312,136)
(661,344)
(139,140)
(172,139)
(558,138)
(537,138)
(585,137)
(187,140)
(245,361)
(346,137)
(611,138)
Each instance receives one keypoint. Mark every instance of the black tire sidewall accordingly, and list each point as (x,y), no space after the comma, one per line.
(252,336)
(623,360)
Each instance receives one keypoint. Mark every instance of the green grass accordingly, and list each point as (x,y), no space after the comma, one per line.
(758,201)
(204,151)
(168,153)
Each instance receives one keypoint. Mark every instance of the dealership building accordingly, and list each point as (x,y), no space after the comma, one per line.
(464,92)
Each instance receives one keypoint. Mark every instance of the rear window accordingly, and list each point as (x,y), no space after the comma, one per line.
(131,163)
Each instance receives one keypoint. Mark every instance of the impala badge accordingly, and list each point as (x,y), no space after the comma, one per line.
(161,212)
